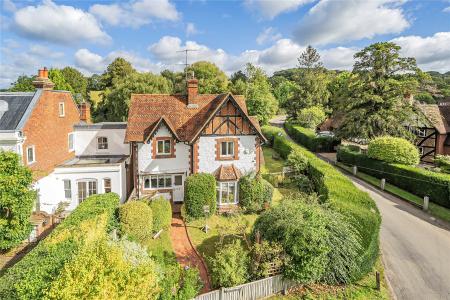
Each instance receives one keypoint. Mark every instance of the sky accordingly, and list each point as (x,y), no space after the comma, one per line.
(88,35)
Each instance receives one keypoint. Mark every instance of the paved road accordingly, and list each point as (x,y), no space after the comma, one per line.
(416,249)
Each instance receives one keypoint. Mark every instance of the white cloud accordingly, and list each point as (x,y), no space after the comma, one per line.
(191,29)
(91,62)
(431,53)
(269,9)
(135,13)
(269,34)
(447,9)
(340,21)
(58,23)
(339,58)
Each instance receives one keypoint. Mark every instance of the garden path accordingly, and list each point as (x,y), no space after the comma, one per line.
(185,251)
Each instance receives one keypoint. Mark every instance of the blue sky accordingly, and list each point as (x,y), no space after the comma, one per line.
(90,34)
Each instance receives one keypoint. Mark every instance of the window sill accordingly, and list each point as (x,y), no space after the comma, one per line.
(226,158)
(159,156)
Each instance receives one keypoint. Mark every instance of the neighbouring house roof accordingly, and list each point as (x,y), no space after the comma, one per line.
(101,125)
(19,107)
(148,111)
(227,173)
(437,116)
(93,160)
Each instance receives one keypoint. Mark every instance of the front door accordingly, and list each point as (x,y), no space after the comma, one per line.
(178,188)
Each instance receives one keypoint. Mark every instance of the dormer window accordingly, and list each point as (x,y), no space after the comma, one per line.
(163,147)
(102,143)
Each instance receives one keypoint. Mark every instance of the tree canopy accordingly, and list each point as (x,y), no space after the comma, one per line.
(23,83)
(76,80)
(211,80)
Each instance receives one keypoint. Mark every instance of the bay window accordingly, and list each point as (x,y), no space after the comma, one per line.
(227,192)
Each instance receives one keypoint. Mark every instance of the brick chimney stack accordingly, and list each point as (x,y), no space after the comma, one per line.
(42,81)
(85,112)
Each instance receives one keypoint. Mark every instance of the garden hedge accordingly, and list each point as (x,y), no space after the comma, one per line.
(136,220)
(309,139)
(271,131)
(254,193)
(340,193)
(393,150)
(32,276)
(416,180)
(200,191)
(162,213)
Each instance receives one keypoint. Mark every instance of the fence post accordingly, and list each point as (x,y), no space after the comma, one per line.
(377,277)
(221,294)
(383,183)
(355,170)
(426,202)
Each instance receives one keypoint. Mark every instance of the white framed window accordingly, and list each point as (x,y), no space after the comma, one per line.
(163,147)
(227,148)
(61,109)
(107,185)
(227,193)
(102,143)
(70,141)
(31,155)
(421,132)
(67,189)
(86,188)
(420,151)
(158,182)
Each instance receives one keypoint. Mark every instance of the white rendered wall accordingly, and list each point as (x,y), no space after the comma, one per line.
(11,141)
(51,187)
(85,142)
(180,163)
(207,154)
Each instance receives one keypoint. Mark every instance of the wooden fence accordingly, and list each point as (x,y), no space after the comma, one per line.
(250,291)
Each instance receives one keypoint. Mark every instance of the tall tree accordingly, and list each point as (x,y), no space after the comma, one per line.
(57,77)
(284,90)
(312,81)
(177,79)
(23,83)
(377,100)
(258,95)
(116,71)
(115,105)
(76,80)
(16,200)
(211,80)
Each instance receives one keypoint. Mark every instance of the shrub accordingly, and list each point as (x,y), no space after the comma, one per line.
(425,97)
(229,266)
(393,150)
(443,162)
(301,229)
(309,139)
(270,132)
(415,180)
(341,195)
(297,162)
(265,257)
(16,200)
(32,276)
(311,117)
(100,270)
(200,191)
(162,213)
(254,192)
(136,220)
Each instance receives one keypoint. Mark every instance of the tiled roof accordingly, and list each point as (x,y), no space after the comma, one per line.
(148,110)
(227,173)
(437,116)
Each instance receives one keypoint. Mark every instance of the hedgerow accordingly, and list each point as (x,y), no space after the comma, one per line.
(162,213)
(31,278)
(200,190)
(341,195)
(136,220)
(270,132)
(254,193)
(416,180)
(393,150)
(308,138)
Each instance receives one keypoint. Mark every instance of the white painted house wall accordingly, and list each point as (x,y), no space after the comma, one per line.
(178,164)
(207,154)
(51,188)
(85,142)
(11,141)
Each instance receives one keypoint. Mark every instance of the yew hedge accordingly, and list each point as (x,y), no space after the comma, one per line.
(341,195)
(308,138)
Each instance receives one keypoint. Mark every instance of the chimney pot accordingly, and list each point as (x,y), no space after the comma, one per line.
(42,81)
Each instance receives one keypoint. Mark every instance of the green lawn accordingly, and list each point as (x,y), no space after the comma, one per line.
(271,165)
(161,247)
(365,289)
(434,209)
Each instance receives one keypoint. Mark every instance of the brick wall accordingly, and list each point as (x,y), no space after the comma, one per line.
(48,132)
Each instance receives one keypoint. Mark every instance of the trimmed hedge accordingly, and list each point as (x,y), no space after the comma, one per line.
(393,150)
(136,220)
(340,193)
(32,277)
(162,213)
(271,131)
(200,191)
(309,139)
(254,193)
(418,181)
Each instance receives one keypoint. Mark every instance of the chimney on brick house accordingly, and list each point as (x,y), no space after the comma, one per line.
(192,91)
(42,81)
(85,112)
